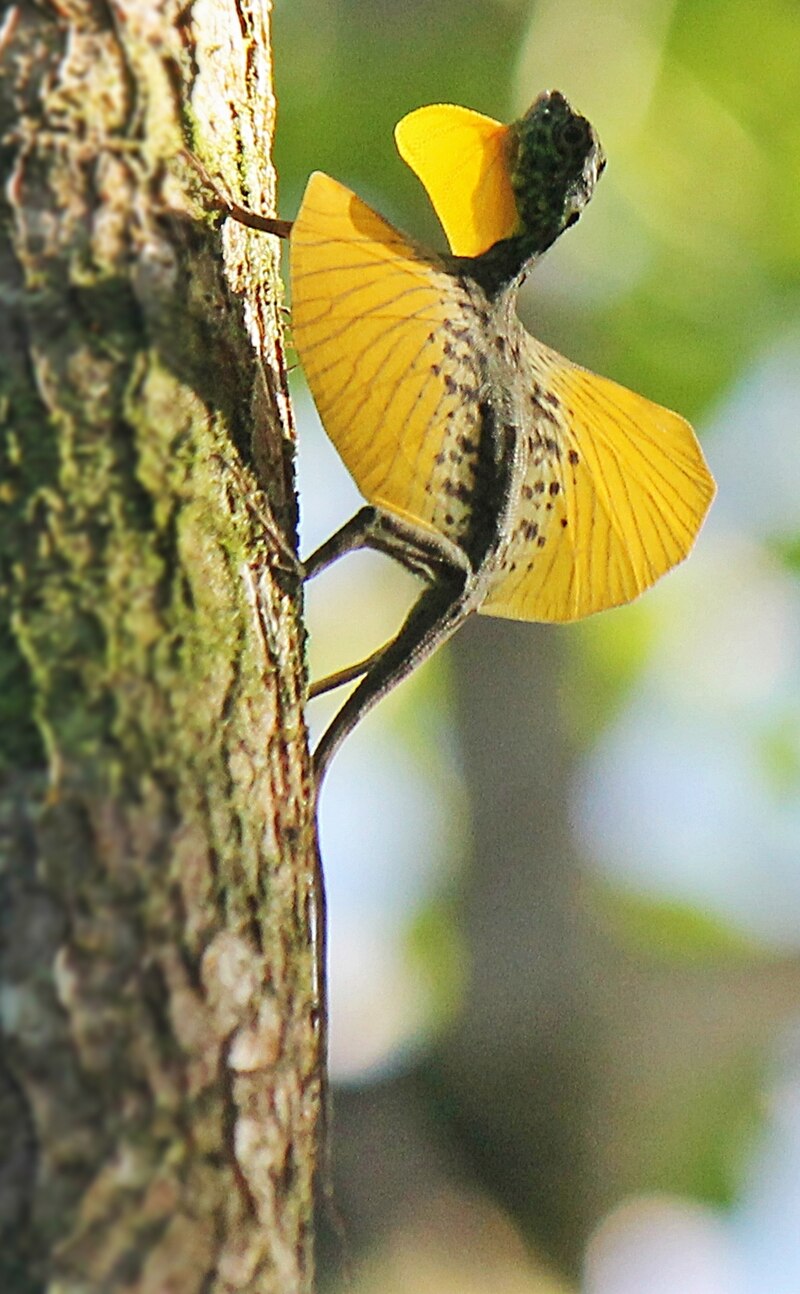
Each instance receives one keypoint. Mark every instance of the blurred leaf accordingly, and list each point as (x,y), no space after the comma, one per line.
(754,74)
(718,1133)
(788,552)
(704,1155)
(666,928)
(604,657)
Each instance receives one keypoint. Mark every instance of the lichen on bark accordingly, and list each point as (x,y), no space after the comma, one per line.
(159,1087)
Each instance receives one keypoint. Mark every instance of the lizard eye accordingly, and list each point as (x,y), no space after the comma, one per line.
(576,133)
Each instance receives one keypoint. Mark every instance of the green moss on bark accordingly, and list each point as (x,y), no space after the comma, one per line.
(161,1027)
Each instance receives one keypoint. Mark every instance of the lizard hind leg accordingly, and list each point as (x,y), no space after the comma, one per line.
(438,612)
(435,616)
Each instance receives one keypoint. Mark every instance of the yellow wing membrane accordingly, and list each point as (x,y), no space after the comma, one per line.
(615,492)
(461,157)
(371,317)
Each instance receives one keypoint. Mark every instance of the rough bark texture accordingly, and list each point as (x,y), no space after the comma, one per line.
(159,1082)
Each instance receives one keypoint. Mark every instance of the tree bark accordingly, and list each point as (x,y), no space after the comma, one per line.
(160,1072)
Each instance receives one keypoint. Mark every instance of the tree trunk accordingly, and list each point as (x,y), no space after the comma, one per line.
(160,1074)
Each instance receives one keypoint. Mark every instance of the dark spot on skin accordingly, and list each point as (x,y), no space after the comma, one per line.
(548,507)
(547,397)
(456,490)
(540,542)
(527,492)
(554,488)
(440,458)
(530,530)
(564,522)
(454,456)
(436,369)
(447,349)
(541,406)
(450,383)
(500,344)
(539,487)
(574,456)
(449,519)
(552,447)
(466,445)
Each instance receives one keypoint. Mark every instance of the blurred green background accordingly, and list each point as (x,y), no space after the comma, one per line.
(564,863)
